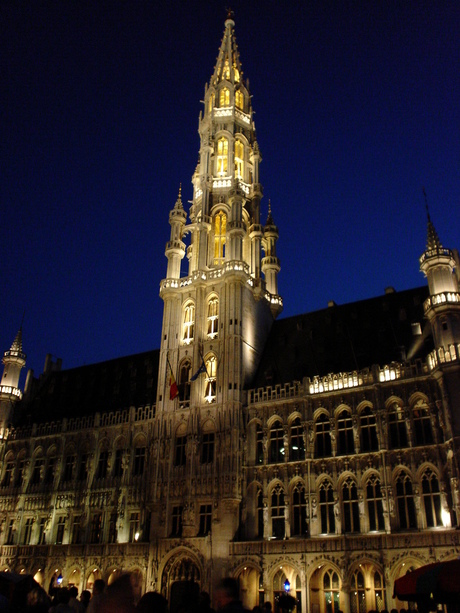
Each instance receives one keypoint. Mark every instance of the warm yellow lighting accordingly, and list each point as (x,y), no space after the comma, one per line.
(222,156)
(136,536)
(445,518)
(224,97)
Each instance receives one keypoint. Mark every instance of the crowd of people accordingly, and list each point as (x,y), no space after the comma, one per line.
(28,597)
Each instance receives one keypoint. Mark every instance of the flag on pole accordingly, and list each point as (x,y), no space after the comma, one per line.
(173,389)
(201,369)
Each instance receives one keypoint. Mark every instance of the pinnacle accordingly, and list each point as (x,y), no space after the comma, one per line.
(178,204)
(17,343)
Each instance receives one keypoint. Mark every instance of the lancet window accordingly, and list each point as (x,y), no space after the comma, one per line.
(211,102)
(188,326)
(374,504)
(350,506)
(422,425)
(326,508)
(259,445)
(358,593)
(220,237)
(239,100)
(397,429)
(297,450)
(431,499)
(323,437)
(222,157)
(184,381)
(331,589)
(405,502)
(211,374)
(260,514)
(346,444)
(277,442)
(277,512)
(224,97)
(368,430)
(299,511)
(213,317)
(239,159)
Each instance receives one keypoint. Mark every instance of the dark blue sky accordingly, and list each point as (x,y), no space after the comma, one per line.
(357,108)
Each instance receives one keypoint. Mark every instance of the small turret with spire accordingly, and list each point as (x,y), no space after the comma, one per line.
(14,361)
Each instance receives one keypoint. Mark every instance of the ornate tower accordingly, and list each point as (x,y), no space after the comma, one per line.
(217,316)
(14,361)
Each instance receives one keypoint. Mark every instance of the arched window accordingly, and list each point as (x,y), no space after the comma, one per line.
(346,445)
(236,72)
(374,504)
(211,373)
(422,424)
(297,451)
(379,592)
(350,506)
(331,589)
(222,157)
(368,430)
(277,512)
(224,97)
(276,443)
(226,71)
(260,514)
(299,511)
(184,381)
(323,437)
(239,100)
(239,159)
(405,502)
(326,508)
(357,593)
(207,448)
(213,317)
(397,429)
(431,499)
(259,445)
(211,102)
(220,237)
(188,326)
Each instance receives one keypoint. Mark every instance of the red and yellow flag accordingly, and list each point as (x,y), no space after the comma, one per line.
(173,389)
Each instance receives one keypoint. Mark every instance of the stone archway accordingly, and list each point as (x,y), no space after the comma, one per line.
(181,582)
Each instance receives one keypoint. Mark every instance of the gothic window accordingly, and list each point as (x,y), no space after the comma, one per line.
(42,531)
(276,443)
(239,159)
(379,592)
(211,102)
(7,477)
(226,71)
(224,97)
(176,523)
(346,444)
(350,506)
(27,530)
(213,317)
(101,472)
(134,526)
(49,475)
(211,383)
(222,157)
(207,448)
(323,437)
(11,532)
(188,329)
(220,237)
(358,593)
(183,387)
(277,512)
(297,451)
(37,471)
(431,499)
(139,461)
(20,473)
(405,502)
(118,464)
(397,428)
(83,467)
(239,100)
(374,504)
(179,456)
(205,519)
(368,430)
(326,508)
(422,425)
(76,530)
(113,528)
(259,445)
(68,469)
(299,511)
(331,589)
(260,514)
(60,530)
(236,72)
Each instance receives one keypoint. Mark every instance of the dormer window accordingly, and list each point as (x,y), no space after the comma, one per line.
(222,156)
(224,97)
(239,100)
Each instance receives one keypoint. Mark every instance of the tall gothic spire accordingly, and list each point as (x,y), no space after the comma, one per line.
(228,65)
(433,243)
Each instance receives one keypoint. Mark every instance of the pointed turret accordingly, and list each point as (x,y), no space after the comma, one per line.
(175,248)
(14,361)
(270,263)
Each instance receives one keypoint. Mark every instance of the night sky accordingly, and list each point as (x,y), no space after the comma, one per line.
(357,108)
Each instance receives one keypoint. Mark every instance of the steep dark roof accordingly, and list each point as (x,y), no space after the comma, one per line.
(343,338)
(102,387)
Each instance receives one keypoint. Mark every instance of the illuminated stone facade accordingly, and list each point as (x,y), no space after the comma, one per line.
(245,457)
